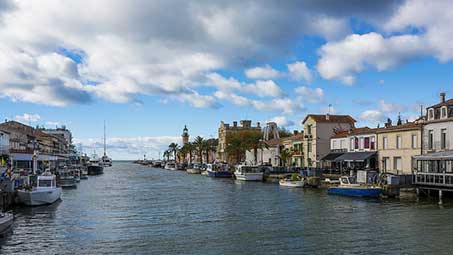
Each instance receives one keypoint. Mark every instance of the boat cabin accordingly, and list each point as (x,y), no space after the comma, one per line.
(46,181)
(248,169)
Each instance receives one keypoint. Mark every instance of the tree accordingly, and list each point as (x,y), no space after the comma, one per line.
(173,147)
(254,141)
(209,146)
(285,155)
(199,147)
(190,148)
(183,151)
(283,132)
(167,154)
(241,141)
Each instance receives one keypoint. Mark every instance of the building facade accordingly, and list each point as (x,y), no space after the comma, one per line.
(318,129)
(223,132)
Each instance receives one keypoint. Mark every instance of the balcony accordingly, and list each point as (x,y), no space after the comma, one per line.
(434,179)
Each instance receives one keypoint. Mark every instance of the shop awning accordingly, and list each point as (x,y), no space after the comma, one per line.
(332,156)
(442,155)
(355,156)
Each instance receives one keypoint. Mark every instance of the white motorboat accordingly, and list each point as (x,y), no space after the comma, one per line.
(170,166)
(77,174)
(294,182)
(248,173)
(194,169)
(46,191)
(6,220)
(84,173)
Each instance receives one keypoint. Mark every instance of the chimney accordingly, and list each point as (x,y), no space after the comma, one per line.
(327,116)
(442,97)
(296,132)
(235,123)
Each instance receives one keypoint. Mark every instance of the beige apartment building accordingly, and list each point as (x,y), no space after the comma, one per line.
(397,145)
(318,129)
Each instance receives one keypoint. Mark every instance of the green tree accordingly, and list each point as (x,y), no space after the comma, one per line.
(182,153)
(173,147)
(199,145)
(285,155)
(210,145)
(254,141)
(167,155)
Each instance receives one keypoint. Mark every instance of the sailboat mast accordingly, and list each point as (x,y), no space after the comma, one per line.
(105,142)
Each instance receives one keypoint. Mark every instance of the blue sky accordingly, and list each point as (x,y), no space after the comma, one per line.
(148,73)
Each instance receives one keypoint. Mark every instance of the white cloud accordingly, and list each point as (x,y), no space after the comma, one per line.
(381,82)
(390,107)
(28,117)
(372,116)
(314,95)
(282,121)
(299,71)
(264,88)
(128,147)
(262,72)
(52,123)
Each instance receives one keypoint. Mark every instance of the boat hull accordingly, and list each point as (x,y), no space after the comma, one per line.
(193,171)
(67,182)
(95,170)
(219,174)
(292,184)
(5,222)
(39,197)
(355,192)
(249,176)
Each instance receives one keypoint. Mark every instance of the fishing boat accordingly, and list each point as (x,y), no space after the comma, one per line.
(194,169)
(348,187)
(77,174)
(218,171)
(170,166)
(6,220)
(46,191)
(94,166)
(66,178)
(106,161)
(295,181)
(248,173)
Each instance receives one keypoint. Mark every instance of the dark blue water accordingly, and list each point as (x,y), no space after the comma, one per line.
(139,210)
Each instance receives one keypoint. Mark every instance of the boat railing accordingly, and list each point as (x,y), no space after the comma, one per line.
(434,179)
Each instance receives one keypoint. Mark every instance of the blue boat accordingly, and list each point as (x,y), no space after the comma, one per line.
(348,188)
(218,171)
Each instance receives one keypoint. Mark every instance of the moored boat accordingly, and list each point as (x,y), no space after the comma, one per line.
(84,173)
(6,221)
(46,191)
(348,187)
(194,169)
(94,166)
(170,166)
(218,171)
(248,173)
(66,178)
(294,182)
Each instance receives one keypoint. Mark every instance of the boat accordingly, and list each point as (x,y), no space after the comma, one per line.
(194,169)
(218,171)
(170,166)
(294,182)
(348,187)
(83,173)
(180,167)
(46,191)
(66,178)
(156,163)
(106,161)
(94,166)
(248,173)
(77,174)
(6,221)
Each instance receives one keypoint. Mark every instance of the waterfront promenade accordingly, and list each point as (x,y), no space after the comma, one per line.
(132,209)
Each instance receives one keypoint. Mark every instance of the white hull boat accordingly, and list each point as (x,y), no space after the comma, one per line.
(170,166)
(292,184)
(46,191)
(248,173)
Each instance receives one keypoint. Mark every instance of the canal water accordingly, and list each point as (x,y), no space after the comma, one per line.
(132,209)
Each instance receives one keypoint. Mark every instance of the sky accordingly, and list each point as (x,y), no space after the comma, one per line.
(148,68)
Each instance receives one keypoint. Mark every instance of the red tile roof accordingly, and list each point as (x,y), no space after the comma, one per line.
(330,118)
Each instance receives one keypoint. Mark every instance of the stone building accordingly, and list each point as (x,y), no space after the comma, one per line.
(185,135)
(318,129)
(226,129)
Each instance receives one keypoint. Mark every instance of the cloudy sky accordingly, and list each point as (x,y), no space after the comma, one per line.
(149,67)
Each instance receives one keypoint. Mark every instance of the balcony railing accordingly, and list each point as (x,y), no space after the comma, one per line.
(434,179)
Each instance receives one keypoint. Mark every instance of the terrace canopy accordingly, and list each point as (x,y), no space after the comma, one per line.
(355,156)
(436,162)
(332,156)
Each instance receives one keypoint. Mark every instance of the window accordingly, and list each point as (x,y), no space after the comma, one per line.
(341,144)
(430,114)
(351,146)
(309,129)
(397,163)
(367,143)
(414,141)
(443,112)
(361,143)
(309,147)
(398,142)
(385,163)
(334,144)
(356,143)
(384,142)
(430,139)
(372,144)
(443,139)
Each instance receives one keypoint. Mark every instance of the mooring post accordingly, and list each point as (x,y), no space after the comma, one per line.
(440,197)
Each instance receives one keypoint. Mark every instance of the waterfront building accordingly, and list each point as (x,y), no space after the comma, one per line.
(397,145)
(433,169)
(353,149)
(318,129)
(223,132)
(185,135)
(4,147)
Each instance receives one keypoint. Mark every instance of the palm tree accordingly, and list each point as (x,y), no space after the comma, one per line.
(254,142)
(183,153)
(167,155)
(190,148)
(285,155)
(209,146)
(173,147)
(199,147)
(237,145)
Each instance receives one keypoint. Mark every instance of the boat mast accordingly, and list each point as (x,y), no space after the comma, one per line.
(105,146)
